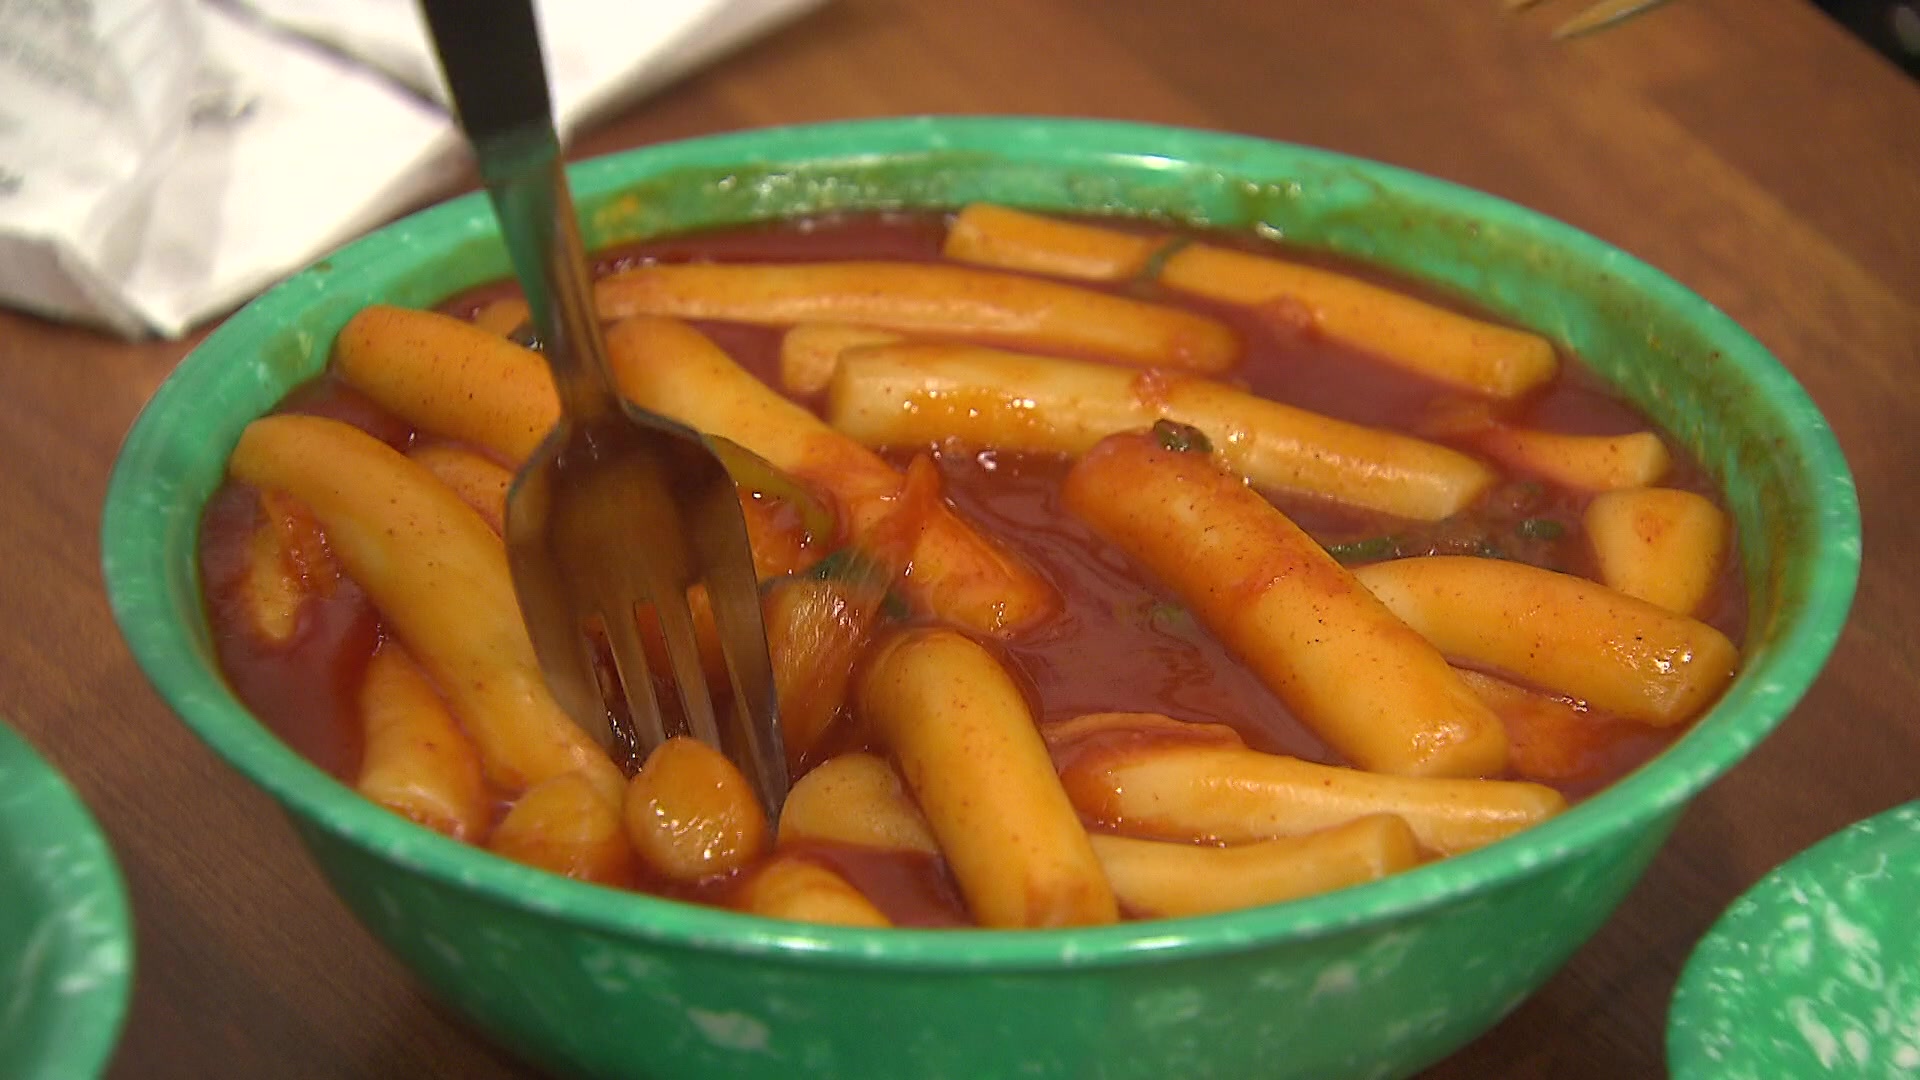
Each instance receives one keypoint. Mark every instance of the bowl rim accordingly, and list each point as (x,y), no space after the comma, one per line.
(42,811)
(135,570)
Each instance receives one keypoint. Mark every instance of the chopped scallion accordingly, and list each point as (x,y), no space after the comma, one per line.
(855,567)
(1540,528)
(1150,270)
(1166,615)
(1181,437)
(1372,549)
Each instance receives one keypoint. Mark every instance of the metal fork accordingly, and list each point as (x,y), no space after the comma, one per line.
(619,510)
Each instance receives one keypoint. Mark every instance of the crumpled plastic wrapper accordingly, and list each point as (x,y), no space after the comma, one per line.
(163,160)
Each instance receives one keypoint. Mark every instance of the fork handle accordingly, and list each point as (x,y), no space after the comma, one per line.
(490,53)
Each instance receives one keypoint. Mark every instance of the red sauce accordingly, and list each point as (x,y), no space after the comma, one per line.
(910,888)
(304,689)
(1122,643)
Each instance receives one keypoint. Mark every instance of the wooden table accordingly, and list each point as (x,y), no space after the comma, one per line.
(1748,147)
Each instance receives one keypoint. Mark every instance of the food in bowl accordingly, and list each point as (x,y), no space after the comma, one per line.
(1111,571)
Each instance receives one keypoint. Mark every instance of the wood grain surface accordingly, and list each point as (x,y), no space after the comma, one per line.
(1748,147)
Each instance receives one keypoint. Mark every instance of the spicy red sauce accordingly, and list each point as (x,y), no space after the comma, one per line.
(1122,642)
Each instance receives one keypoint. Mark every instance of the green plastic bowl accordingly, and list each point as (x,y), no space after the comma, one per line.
(66,941)
(1816,970)
(1372,981)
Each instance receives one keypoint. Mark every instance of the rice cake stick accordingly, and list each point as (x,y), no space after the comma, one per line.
(1663,546)
(810,352)
(1352,672)
(416,761)
(565,826)
(1561,632)
(988,235)
(915,394)
(1442,345)
(927,298)
(1587,462)
(449,377)
(787,887)
(1184,790)
(968,748)
(1163,879)
(855,799)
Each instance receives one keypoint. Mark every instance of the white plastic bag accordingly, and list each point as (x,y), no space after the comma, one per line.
(163,160)
(599,52)
(168,159)
(94,99)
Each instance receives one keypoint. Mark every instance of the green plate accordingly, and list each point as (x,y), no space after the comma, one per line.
(66,942)
(1816,970)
